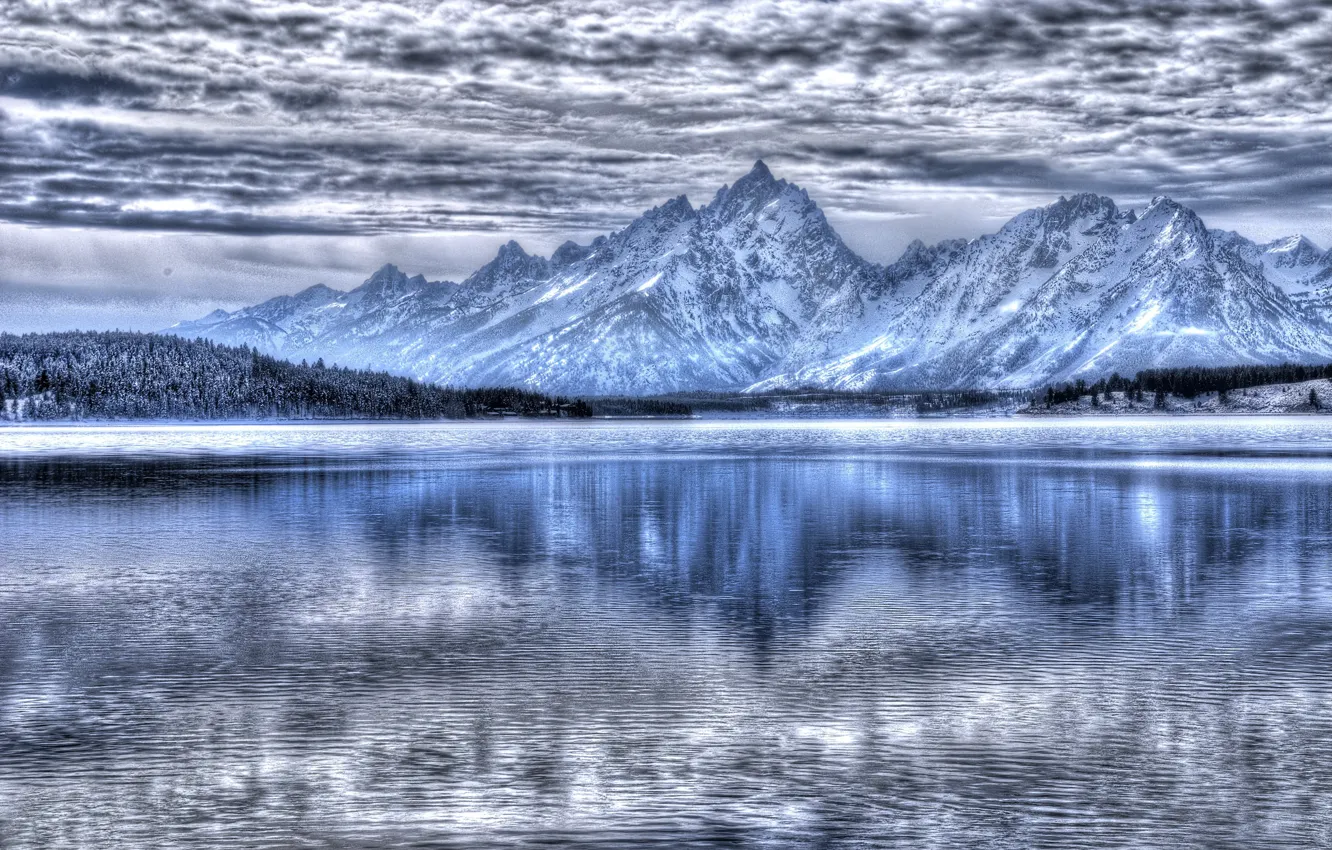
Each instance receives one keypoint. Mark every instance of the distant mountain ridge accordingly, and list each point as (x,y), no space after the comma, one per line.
(756,289)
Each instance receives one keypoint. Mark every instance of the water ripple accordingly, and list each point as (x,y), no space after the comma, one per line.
(679,635)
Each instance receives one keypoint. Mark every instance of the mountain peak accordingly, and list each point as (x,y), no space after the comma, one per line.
(1297,244)
(676,208)
(917,255)
(1164,209)
(512,249)
(1084,201)
(1294,252)
(387,279)
(758,178)
(1066,212)
(511,265)
(1164,203)
(752,193)
(1166,221)
(388,271)
(323,289)
(748,288)
(569,253)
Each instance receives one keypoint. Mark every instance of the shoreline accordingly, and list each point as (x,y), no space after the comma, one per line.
(1024,414)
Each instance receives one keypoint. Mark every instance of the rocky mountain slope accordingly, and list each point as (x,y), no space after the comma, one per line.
(755,289)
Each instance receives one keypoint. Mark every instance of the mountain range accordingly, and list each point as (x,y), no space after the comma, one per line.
(755,290)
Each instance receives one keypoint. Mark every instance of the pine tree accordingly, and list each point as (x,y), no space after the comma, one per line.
(118,375)
(1313,399)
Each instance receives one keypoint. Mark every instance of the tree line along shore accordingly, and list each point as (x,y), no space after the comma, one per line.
(123,376)
(118,375)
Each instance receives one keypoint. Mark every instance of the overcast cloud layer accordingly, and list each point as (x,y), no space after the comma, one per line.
(255,147)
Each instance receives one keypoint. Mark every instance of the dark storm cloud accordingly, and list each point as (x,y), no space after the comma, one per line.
(371,118)
(46,84)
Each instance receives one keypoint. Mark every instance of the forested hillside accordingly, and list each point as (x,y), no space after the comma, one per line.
(117,375)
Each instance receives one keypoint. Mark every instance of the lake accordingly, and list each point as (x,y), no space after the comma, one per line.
(677,634)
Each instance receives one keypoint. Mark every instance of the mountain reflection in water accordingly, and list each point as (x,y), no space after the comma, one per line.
(995,646)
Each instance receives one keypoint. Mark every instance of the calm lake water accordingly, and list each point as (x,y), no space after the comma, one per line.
(691,634)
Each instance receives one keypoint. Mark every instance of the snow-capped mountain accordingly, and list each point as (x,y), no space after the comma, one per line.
(262,326)
(682,298)
(321,319)
(1078,289)
(1302,270)
(755,289)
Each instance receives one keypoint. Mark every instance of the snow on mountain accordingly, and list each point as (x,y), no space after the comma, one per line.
(933,300)
(1078,289)
(262,326)
(680,299)
(755,289)
(323,322)
(1302,269)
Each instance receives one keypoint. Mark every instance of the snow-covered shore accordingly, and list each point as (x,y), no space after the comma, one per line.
(1264,400)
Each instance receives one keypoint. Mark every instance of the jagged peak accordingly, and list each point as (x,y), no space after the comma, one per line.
(1064,213)
(917,250)
(753,192)
(918,254)
(510,254)
(659,218)
(760,171)
(1169,224)
(512,249)
(1225,237)
(1294,252)
(1165,203)
(1298,243)
(387,278)
(569,253)
(509,259)
(759,178)
(1084,202)
(319,289)
(386,273)
(677,207)
(1164,208)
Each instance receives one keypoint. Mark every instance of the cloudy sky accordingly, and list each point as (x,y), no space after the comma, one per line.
(159,158)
